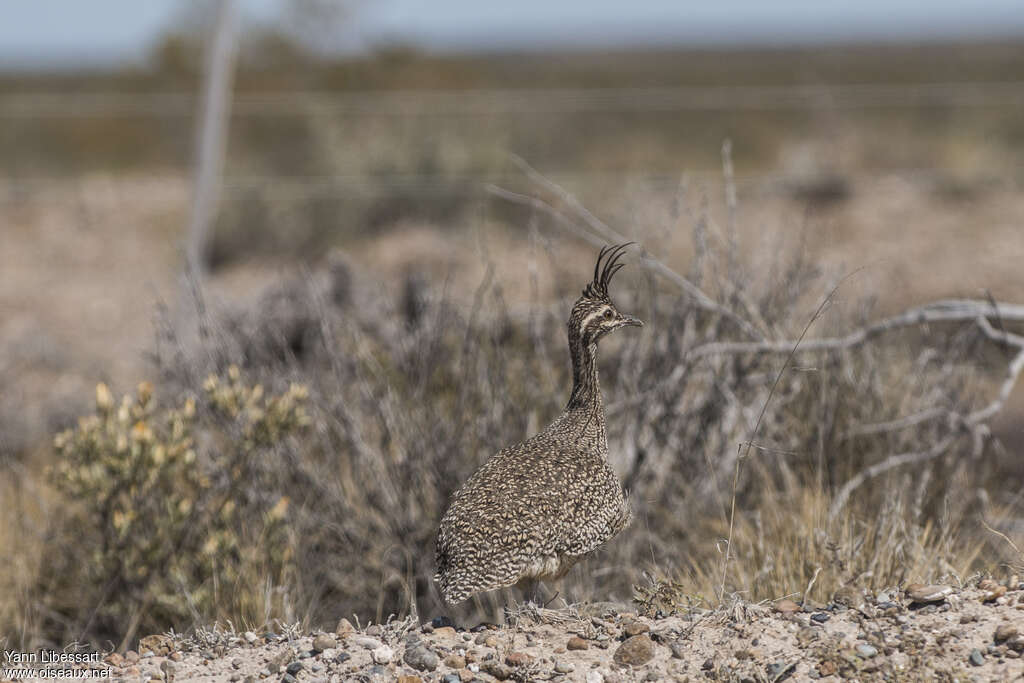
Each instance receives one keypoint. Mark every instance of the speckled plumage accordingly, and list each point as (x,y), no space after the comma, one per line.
(536,508)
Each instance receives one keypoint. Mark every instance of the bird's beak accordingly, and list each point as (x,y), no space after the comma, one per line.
(630,320)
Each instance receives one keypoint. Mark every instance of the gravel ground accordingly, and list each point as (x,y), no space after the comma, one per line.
(975,633)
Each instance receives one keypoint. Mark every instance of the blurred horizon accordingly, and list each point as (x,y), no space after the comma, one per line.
(112,33)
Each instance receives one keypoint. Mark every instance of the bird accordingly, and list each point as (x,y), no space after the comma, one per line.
(536,508)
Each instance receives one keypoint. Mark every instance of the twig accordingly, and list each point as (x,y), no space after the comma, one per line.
(699,298)
(892,462)
(760,418)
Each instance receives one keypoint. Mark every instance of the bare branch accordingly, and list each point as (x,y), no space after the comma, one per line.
(892,462)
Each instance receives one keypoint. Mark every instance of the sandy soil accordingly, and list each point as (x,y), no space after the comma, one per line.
(974,633)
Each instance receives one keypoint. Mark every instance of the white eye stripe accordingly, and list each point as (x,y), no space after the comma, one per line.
(596,314)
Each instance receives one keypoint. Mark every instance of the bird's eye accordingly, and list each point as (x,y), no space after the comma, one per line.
(608,315)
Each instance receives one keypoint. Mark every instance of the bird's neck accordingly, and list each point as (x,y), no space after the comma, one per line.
(586,390)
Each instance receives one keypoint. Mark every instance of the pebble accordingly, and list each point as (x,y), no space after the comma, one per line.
(451,678)
(421,658)
(518,659)
(678,649)
(250,637)
(820,617)
(444,632)
(237,663)
(635,651)
(500,671)
(635,628)
(294,668)
(993,593)
(324,642)
(1004,632)
(777,669)
(930,593)
(866,651)
(342,657)
(849,596)
(455,662)
(288,678)
(344,628)
(564,667)
(577,643)
(976,658)
(440,622)
(786,607)
(382,655)
(367,642)
(595,677)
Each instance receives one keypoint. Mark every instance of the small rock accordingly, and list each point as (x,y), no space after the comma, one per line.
(114,659)
(500,671)
(451,678)
(277,662)
(382,655)
(786,607)
(865,651)
(440,622)
(455,662)
(342,657)
(294,668)
(820,617)
(157,644)
(577,643)
(374,630)
(976,658)
(635,651)
(237,663)
(518,659)
(635,628)
(1005,632)
(288,678)
(250,637)
(1016,643)
(564,667)
(849,596)
(993,594)
(344,628)
(827,668)
(324,642)
(421,658)
(367,642)
(926,594)
(595,677)
(678,649)
(708,664)
(409,679)
(446,632)
(132,657)
(777,670)
(491,641)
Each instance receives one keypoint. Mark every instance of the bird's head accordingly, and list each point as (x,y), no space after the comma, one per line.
(594,315)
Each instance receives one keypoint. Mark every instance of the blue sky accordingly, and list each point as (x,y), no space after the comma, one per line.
(98,31)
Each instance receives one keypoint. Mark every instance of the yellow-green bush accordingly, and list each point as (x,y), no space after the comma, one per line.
(167,530)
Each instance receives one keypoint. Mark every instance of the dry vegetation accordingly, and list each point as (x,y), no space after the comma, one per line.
(305,481)
(871,464)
